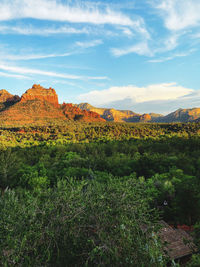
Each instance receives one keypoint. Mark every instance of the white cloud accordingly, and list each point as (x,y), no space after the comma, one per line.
(32,56)
(140,27)
(69,11)
(164,59)
(171,42)
(21,70)
(141,49)
(156,92)
(30,30)
(179,14)
(127,31)
(89,44)
(83,12)
(17,76)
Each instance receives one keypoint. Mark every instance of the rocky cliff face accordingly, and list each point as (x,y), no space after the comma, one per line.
(39,106)
(111,114)
(40,93)
(32,112)
(5,96)
(74,113)
(182,115)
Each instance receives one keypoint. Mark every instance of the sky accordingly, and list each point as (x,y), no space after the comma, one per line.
(142,55)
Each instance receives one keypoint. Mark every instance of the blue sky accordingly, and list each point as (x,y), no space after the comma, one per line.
(142,55)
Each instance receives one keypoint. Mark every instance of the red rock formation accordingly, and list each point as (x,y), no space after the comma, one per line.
(39,92)
(39,106)
(74,113)
(33,112)
(5,96)
(145,118)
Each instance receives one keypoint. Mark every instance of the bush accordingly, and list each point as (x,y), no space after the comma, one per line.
(78,224)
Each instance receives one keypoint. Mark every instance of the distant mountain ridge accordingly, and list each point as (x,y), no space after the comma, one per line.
(182,115)
(110,114)
(39,105)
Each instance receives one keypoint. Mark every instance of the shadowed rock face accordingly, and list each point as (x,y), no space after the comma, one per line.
(5,96)
(75,113)
(39,92)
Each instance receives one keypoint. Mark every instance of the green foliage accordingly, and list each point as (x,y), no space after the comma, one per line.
(8,163)
(195,261)
(78,224)
(179,191)
(77,194)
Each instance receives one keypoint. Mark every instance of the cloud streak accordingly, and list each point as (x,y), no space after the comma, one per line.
(24,57)
(17,76)
(164,59)
(32,56)
(89,44)
(56,11)
(21,71)
(141,49)
(45,31)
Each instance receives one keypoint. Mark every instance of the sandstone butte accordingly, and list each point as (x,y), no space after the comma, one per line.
(39,105)
(41,93)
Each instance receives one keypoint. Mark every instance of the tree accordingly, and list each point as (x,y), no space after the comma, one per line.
(8,166)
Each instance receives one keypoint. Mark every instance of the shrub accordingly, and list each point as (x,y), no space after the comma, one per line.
(78,224)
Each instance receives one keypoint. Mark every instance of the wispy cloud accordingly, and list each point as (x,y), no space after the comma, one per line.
(75,85)
(179,15)
(17,76)
(127,31)
(164,59)
(171,42)
(43,31)
(89,44)
(84,12)
(32,56)
(141,49)
(21,70)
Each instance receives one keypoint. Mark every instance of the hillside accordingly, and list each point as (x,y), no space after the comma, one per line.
(5,96)
(182,115)
(39,106)
(7,99)
(74,113)
(31,112)
(111,114)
